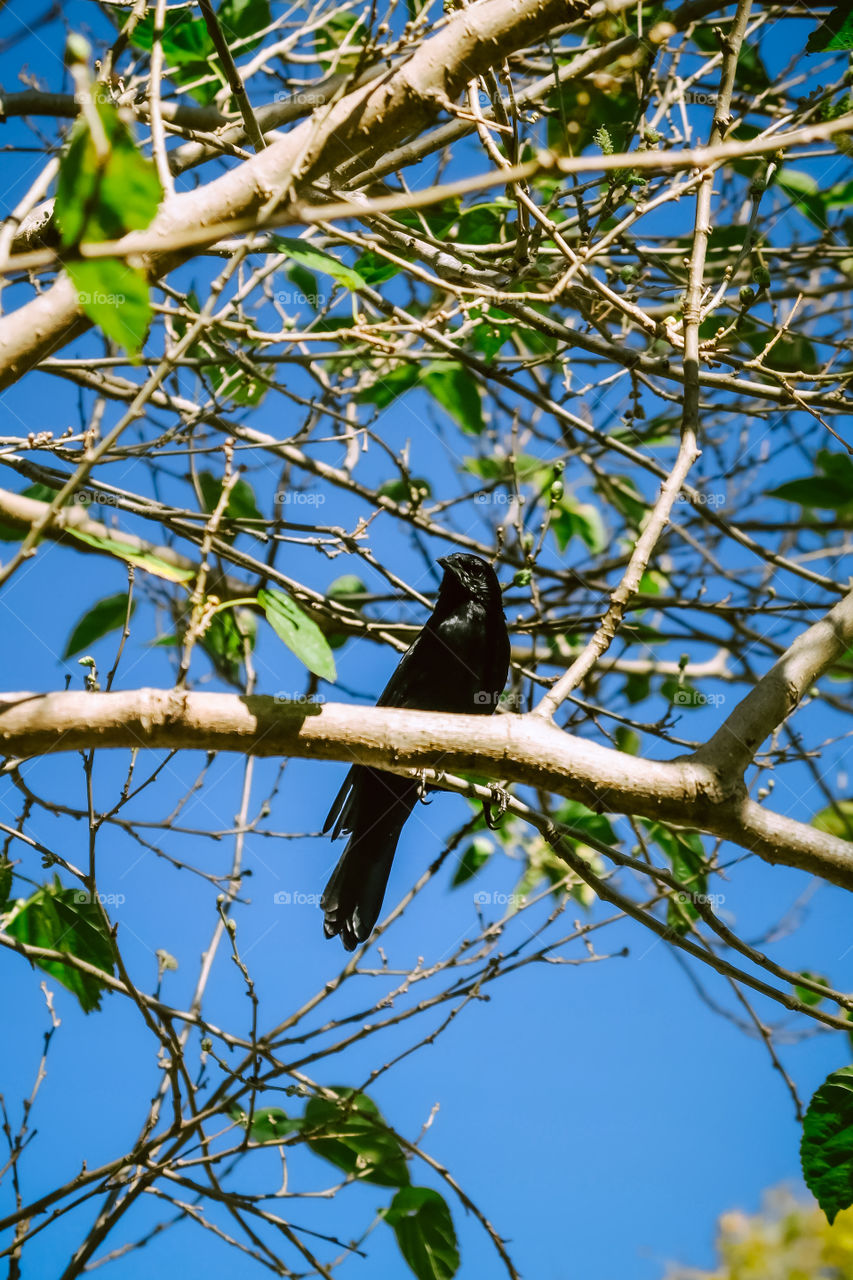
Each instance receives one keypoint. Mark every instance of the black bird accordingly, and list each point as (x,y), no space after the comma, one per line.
(458,663)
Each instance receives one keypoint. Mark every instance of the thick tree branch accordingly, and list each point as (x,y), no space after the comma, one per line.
(523,749)
(776,695)
(364,123)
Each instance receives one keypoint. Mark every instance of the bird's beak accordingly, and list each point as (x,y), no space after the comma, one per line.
(442,560)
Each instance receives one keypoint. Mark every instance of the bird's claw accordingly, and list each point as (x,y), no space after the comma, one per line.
(423,787)
(500,798)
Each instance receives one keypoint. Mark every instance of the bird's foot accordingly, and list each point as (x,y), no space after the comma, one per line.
(423,787)
(500,798)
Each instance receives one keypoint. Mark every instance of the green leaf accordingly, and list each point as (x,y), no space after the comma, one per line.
(456,391)
(653,583)
(224,642)
(838,466)
(100,196)
(575,814)
(308,290)
(115,297)
(144,559)
(389,383)
(187,46)
(348,1132)
(627,740)
(806,193)
(835,32)
(682,694)
(814,492)
(343,589)
(104,616)
(243,18)
(241,500)
(6,873)
(686,855)
(40,493)
(299,632)
(345,586)
(374,269)
(807,996)
(791,354)
(185,39)
(579,109)
(543,863)
(622,493)
(269,1124)
(438,217)
(305,253)
(831,491)
(66,920)
(750,72)
(412,491)
(836,820)
(578,520)
(483,223)
(637,688)
(489,337)
(330,37)
(473,858)
(826,1149)
(238,381)
(424,1229)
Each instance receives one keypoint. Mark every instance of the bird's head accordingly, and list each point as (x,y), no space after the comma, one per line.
(470,575)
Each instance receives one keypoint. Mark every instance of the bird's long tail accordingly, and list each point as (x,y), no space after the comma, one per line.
(353,897)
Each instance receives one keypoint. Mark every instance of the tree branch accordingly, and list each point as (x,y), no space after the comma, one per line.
(523,749)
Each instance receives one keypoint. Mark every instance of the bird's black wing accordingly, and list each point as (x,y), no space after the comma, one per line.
(398,692)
